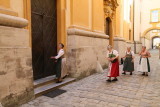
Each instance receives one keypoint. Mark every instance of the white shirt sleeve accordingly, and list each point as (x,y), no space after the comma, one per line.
(115,53)
(132,53)
(60,53)
(107,54)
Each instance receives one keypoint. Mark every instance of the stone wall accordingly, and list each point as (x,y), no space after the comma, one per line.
(138,47)
(16,77)
(85,48)
(121,46)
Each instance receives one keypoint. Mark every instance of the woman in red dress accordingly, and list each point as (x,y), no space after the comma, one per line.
(113,69)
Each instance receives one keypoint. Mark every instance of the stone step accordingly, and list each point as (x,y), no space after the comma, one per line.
(44,81)
(52,86)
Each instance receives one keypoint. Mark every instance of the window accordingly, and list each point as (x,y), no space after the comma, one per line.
(155,31)
(129,34)
(154,16)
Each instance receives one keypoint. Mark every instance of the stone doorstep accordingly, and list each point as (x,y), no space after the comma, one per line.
(1,104)
(44,81)
(39,91)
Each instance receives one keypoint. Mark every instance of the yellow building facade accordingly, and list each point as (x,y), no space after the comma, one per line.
(85,27)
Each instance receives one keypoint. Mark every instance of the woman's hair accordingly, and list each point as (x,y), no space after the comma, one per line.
(128,47)
(61,45)
(144,47)
(109,47)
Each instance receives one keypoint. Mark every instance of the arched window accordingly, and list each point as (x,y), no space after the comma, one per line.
(108,26)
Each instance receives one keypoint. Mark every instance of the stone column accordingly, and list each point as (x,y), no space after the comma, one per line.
(85,48)
(16,76)
(120,45)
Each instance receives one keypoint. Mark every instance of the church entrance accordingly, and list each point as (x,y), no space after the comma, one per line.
(44,37)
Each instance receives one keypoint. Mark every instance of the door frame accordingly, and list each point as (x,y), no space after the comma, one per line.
(61,21)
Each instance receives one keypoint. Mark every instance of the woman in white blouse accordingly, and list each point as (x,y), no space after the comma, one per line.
(58,59)
(144,65)
(113,69)
(129,61)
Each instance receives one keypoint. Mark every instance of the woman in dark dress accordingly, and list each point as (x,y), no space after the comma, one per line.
(58,61)
(129,61)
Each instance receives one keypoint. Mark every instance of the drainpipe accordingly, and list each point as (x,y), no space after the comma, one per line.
(133,26)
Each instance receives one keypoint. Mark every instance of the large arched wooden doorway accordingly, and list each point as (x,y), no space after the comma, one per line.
(44,36)
(109,30)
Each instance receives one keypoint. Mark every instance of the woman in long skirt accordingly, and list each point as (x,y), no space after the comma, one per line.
(129,61)
(144,65)
(113,69)
(58,61)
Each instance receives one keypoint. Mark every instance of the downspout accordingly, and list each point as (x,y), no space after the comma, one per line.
(134,26)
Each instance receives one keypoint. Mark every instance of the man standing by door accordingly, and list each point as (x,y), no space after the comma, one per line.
(58,60)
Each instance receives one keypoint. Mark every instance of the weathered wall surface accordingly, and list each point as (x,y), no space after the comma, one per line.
(121,46)
(85,48)
(16,77)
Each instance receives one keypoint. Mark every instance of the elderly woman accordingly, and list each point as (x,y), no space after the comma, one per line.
(58,60)
(144,65)
(129,61)
(113,69)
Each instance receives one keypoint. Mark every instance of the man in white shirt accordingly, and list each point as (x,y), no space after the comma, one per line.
(58,61)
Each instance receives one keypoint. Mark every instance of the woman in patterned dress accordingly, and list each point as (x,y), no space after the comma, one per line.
(129,61)
(113,69)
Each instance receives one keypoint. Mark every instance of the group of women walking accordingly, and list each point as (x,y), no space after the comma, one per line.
(113,57)
(128,65)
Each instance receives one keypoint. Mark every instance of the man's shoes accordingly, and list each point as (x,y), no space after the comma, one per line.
(130,73)
(143,74)
(58,81)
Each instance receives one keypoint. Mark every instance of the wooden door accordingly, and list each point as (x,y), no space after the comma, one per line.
(44,37)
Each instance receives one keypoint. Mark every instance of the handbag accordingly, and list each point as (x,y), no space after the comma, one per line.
(122,61)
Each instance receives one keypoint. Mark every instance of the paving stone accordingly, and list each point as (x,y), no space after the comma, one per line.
(94,91)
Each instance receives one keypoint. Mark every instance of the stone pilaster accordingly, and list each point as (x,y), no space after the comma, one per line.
(120,45)
(16,76)
(138,46)
(85,48)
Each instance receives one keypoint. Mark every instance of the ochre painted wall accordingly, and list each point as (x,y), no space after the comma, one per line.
(84,14)
(17,6)
(97,15)
(5,3)
(80,13)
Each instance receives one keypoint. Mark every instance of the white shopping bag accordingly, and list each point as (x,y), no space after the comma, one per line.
(99,67)
(1,105)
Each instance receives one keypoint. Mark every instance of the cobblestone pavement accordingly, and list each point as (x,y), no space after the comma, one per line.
(94,91)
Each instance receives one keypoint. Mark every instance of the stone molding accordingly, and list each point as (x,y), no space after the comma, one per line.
(8,11)
(138,42)
(74,31)
(129,42)
(12,21)
(119,39)
(110,8)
